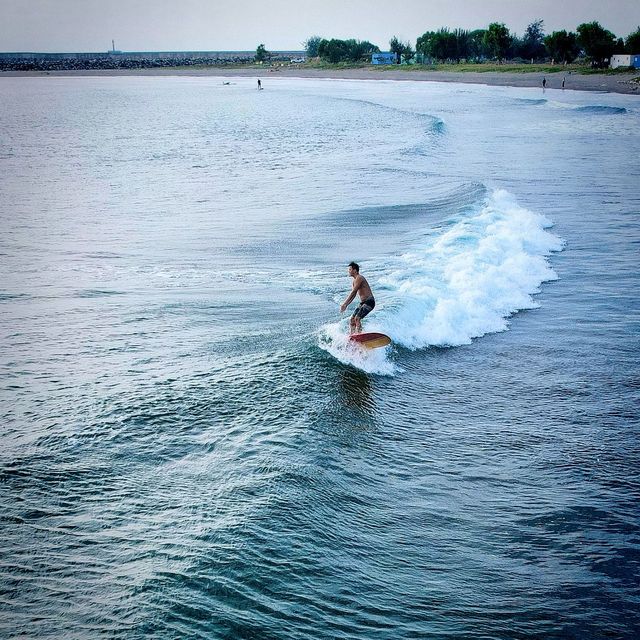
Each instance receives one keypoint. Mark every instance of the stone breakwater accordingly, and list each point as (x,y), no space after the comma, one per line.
(114,61)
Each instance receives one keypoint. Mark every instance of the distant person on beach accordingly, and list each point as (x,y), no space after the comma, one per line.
(563,79)
(544,82)
(259,84)
(367,302)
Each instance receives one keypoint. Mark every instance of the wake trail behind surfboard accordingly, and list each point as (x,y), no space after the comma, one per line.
(335,340)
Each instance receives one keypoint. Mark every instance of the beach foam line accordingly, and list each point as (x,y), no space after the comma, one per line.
(465,281)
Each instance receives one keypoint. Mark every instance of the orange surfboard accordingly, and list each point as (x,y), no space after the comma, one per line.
(370,340)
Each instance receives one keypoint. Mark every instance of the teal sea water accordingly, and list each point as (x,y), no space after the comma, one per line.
(190,448)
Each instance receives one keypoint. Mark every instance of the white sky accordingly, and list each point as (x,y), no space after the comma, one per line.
(209,25)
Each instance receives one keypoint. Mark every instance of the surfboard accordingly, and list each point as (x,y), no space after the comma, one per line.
(370,340)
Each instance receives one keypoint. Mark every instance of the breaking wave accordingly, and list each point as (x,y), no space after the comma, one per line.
(465,281)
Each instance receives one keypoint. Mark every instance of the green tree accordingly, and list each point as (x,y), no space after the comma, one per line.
(516,48)
(261,53)
(462,44)
(446,45)
(476,45)
(401,49)
(360,50)
(443,45)
(408,51)
(497,40)
(335,50)
(397,47)
(562,46)
(532,45)
(598,43)
(311,46)
(332,50)
(632,43)
(422,43)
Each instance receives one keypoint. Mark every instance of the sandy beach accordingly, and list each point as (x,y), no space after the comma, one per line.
(627,83)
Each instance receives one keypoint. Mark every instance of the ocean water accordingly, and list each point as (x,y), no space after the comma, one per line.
(190,448)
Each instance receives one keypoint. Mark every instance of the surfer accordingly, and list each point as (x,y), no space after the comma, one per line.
(367,303)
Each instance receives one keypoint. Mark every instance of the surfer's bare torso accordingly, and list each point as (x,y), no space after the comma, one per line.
(361,286)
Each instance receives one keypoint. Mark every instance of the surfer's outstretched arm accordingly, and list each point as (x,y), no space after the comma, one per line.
(347,302)
(352,295)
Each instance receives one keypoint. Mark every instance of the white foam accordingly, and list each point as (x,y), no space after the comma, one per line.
(334,339)
(463,283)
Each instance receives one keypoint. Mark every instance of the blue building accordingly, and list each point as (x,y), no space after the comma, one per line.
(386,57)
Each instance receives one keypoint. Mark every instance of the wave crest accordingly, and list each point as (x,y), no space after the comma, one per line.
(465,281)
(600,109)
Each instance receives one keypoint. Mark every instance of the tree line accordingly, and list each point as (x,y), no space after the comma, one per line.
(495,42)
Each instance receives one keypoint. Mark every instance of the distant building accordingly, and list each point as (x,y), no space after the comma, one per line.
(386,57)
(625,60)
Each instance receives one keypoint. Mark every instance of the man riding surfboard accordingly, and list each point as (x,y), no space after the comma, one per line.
(367,302)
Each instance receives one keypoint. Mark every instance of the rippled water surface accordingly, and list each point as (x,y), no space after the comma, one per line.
(189,447)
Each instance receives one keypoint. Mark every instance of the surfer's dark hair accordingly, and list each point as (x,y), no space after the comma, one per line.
(355,265)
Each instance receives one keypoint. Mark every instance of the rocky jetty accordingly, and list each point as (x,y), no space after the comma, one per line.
(114,60)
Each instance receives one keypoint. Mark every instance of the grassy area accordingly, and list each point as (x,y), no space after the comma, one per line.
(508,68)
(470,67)
(318,64)
(499,68)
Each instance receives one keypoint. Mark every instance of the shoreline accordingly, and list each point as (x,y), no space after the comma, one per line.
(626,83)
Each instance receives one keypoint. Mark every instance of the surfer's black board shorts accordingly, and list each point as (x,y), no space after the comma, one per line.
(364,308)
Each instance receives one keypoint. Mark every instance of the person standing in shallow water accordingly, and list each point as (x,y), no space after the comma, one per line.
(367,302)
(259,84)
